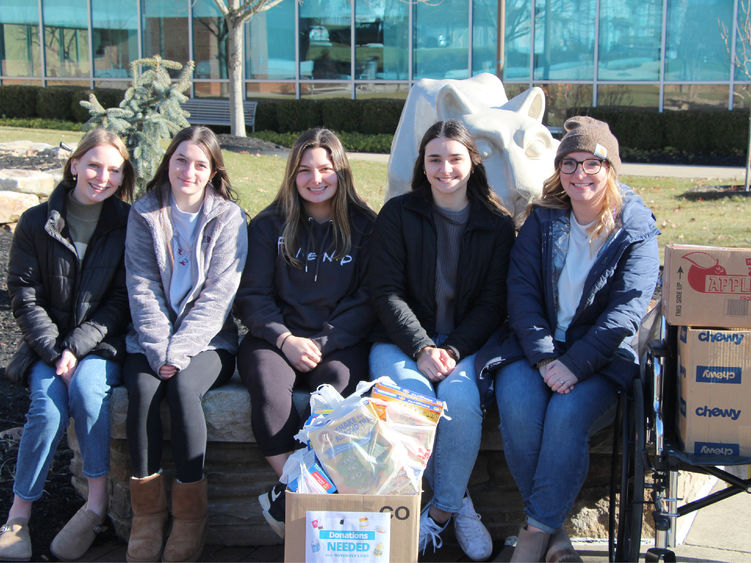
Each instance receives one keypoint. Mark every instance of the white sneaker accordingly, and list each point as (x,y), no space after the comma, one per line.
(472,535)
(430,531)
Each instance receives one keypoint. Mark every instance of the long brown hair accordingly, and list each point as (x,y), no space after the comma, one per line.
(290,203)
(97,137)
(477,184)
(555,197)
(206,139)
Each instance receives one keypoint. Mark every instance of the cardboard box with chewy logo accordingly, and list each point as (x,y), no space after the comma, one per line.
(707,286)
(405,519)
(714,386)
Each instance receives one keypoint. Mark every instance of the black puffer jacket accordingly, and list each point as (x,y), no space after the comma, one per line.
(59,303)
(401,275)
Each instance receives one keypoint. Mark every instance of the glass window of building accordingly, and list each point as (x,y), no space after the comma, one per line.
(695,50)
(381,40)
(270,44)
(696,96)
(742,42)
(517,35)
(165,30)
(560,97)
(66,38)
(325,45)
(484,36)
(19,38)
(254,90)
(629,95)
(209,40)
(441,39)
(564,39)
(628,51)
(114,36)
(323,90)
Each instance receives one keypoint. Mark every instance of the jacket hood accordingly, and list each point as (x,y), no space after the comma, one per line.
(637,216)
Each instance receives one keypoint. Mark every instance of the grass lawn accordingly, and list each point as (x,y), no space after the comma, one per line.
(721,222)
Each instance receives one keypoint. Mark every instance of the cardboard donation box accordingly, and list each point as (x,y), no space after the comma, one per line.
(714,414)
(344,527)
(707,286)
(372,448)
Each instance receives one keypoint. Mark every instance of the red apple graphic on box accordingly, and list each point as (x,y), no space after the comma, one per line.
(703,264)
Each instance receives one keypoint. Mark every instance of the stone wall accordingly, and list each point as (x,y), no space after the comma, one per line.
(28,174)
(237,473)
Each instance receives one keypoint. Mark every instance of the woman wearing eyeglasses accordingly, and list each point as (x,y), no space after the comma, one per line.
(581,276)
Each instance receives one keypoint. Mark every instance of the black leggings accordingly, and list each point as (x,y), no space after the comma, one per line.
(270,379)
(184,392)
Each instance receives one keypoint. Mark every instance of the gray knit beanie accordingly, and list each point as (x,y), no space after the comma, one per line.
(586,134)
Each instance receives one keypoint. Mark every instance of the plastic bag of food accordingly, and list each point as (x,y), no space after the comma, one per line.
(371,446)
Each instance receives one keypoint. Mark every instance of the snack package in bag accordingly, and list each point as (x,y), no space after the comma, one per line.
(303,474)
(371,446)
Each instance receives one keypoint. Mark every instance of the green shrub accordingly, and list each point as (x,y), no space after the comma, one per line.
(108,97)
(353,142)
(284,139)
(40,123)
(360,142)
(55,102)
(298,116)
(688,133)
(340,114)
(380,115)
(266,119)
(18,101)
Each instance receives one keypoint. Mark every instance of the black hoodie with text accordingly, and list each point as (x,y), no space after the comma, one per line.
(325,300)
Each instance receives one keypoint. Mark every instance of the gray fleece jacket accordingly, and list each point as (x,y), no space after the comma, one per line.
(204,321)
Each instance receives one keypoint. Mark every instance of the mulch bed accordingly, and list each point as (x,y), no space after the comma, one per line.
(706,193)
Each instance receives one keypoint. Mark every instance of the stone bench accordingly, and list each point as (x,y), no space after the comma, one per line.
(237,473)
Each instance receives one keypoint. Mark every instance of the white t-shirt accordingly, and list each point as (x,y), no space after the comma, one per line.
(579,262)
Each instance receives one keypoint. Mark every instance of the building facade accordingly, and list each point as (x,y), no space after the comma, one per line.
(662,54)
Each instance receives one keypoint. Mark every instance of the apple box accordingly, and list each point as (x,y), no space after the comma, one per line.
(707,286)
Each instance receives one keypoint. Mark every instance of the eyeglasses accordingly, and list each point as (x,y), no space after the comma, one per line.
(589,165)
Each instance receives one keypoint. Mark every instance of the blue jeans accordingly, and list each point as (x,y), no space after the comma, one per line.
(546,437)
(457,441)
(52,404)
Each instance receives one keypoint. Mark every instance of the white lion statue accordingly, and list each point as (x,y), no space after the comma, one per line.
(517,149)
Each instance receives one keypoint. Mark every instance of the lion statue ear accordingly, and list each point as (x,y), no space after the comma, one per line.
(531,103)
(455,99)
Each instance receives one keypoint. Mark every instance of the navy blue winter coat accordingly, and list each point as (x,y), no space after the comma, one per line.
(616,296)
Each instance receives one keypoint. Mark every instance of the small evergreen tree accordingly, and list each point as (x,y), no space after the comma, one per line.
(149,114)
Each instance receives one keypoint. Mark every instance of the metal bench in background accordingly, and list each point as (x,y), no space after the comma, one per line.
(215,111)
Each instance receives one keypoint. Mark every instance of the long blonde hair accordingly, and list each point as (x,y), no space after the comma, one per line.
(290,203)
(555,197)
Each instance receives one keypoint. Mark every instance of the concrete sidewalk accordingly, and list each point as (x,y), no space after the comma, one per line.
(719,533)
(683,171)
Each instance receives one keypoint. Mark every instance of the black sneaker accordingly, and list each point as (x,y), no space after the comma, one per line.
(273,504)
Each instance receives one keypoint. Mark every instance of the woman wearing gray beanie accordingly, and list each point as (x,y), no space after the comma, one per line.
(581,275)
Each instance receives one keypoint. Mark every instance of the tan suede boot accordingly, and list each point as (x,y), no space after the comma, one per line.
(149,503)
(189,508)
